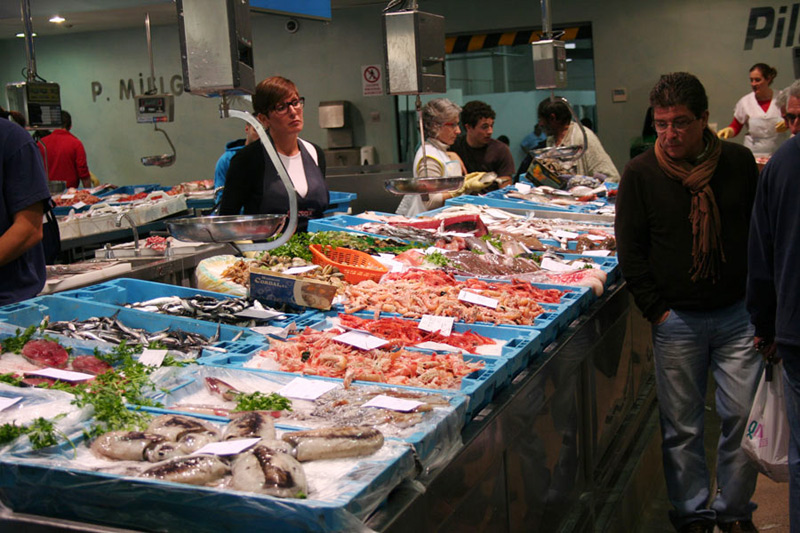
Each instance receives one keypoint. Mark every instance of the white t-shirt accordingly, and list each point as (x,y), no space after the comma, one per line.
(295,169)
(761,136)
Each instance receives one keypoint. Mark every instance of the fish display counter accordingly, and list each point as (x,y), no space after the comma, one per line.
(526,413)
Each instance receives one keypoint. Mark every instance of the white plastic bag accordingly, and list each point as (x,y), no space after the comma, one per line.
(766,437)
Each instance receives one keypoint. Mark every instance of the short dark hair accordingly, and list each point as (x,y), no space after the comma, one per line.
(270,92)
(66,120)
(680,88)
(474,111)
(556,107)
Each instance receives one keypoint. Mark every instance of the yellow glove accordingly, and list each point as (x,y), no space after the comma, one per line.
(781,126)
(726,133)
(473,183)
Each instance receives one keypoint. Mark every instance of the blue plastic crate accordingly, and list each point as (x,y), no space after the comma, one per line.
(436,435)
(130,189)
(608,264)
(480,386)
(61,488)
(56,308)
(123,291)
(520,345)
(339,202)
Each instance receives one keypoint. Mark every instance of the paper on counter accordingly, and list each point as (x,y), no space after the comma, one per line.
(306,389)
(394,404)
(228,447)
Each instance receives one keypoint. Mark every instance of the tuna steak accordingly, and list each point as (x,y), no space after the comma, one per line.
(45,353)
(90,364)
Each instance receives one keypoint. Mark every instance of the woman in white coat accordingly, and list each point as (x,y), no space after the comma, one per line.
(440,127)
(759,111)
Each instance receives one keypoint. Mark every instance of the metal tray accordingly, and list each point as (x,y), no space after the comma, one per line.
(423,185)
(228,228)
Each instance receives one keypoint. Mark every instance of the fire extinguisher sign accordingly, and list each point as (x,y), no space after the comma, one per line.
(372,80)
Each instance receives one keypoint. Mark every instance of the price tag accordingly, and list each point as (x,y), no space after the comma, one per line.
(5,403)
(306,389)
(595,237)
(78,205)
(362,341)
(438,347)
(565,234)
(433,250)
(275,331)
(228,447)
(555,266)
(477,299)
(68,196)
(63,375)
(152,357)
(598,203)
(300,270)
(382,401)
(443,324)
(597,253)
(252,312)
(524,188)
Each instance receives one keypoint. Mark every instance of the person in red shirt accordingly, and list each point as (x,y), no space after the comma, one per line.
(64,156)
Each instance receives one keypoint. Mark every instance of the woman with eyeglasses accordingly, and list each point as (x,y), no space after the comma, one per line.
(440,127)
(252,184)
(760,112)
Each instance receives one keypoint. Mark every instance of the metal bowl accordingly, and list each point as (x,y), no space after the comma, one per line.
(423,185)
(228,228)
(163,160)
(56,187)
(560,153)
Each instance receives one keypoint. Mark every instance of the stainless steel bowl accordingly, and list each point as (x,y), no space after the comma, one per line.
(228,228)
(163,160)
(423,185)
(560,153)
(56,187)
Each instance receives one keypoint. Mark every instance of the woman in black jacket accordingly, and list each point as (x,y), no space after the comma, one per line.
(252,184)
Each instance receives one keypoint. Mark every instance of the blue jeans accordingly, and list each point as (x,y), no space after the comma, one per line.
(791,385)
(686,346)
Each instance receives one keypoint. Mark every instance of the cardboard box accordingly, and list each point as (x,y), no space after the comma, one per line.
(538,174)
(270,287)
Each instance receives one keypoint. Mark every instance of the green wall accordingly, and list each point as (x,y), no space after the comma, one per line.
(634,42)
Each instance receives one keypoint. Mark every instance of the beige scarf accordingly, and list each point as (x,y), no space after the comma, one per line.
(707,253)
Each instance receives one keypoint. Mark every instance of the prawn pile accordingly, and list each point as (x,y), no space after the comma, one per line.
(315,353)
(400,332)
(418,292)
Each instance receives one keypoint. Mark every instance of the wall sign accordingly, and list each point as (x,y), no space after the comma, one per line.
(778,24)
(371,80)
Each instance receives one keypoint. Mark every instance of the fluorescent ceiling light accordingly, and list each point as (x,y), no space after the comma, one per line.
(23,35)
(568,46)
(57,19)
(569,59)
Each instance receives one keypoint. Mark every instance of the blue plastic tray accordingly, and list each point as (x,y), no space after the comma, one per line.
(437,434)
(29,484)
(56,308)
(339,202)
(480,386)
(340,223)
(520,345)
(123,291)
(130,189)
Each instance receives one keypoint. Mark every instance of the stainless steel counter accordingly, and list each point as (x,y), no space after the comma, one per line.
(540,457)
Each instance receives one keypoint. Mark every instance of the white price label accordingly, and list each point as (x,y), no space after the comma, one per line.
(306,389)
(300,270)
(152,357)
(252,312)
(362,341)
(5,403)
(565,234)
(78,205)
(438,347)
(477,299)
(63,375)
(432,250)
(67,196)
(597,253)
(394,404)
(228,447)
(555,266)
(275,331)
(524,188)
(442,324)
(592,237)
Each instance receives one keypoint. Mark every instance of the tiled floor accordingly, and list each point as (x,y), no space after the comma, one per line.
(772,515)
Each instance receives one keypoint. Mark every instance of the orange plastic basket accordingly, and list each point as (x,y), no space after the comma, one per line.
(356,266)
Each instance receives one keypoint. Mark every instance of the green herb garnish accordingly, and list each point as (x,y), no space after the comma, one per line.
(438,258)
(41,433)
(257,401)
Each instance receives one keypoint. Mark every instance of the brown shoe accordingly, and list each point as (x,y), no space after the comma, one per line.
(740,526)
(695,527)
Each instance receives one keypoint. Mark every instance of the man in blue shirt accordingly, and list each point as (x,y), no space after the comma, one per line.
(23,197)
